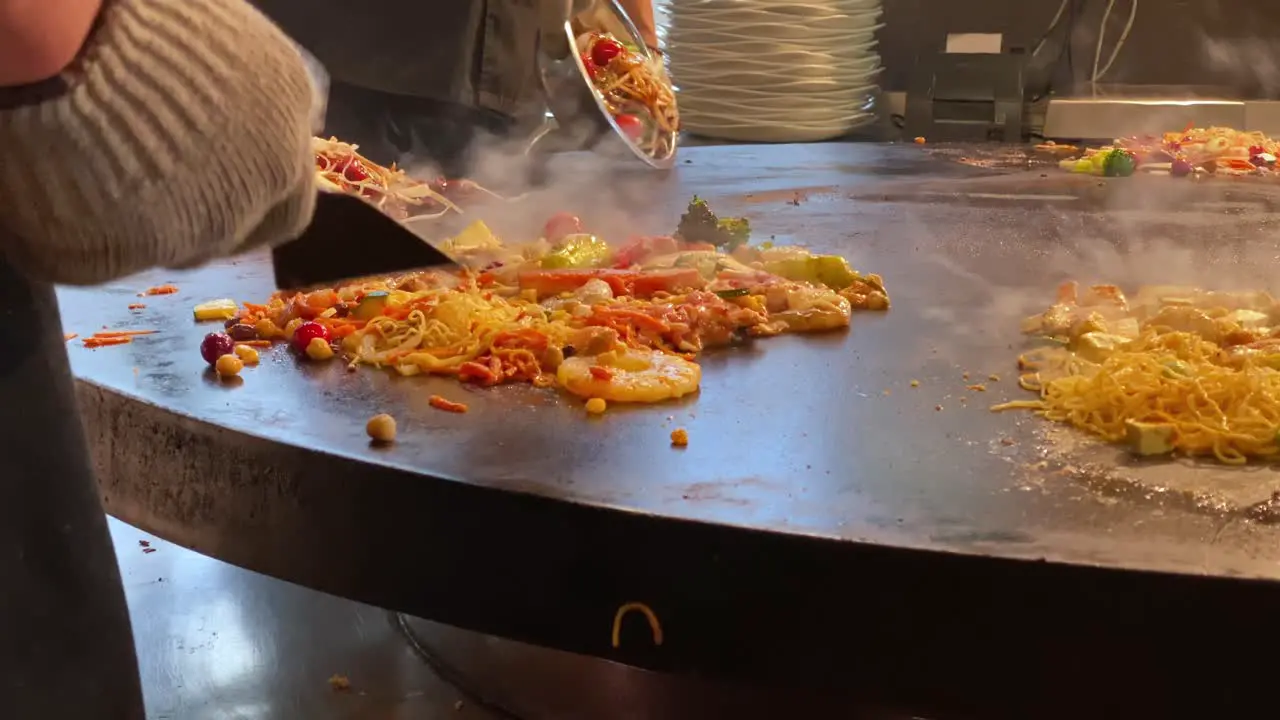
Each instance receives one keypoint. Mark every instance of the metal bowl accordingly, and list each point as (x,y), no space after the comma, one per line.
(579,110)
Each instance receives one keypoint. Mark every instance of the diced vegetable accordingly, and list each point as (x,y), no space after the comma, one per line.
(699,224)
(604,50)
(707,263)
(830,270)
(1150,438)
(1096,346)
(560,226)
(476,236)
(224,309)
(371,305)
(733,293)
(549,283)
(1119,163)
(215,345)
(1249,319)
(630,125)
(306,333)
(1176,369)
(578,251)
(638,248)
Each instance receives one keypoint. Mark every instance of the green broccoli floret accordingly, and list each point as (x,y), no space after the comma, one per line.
(699,224)
(737,230)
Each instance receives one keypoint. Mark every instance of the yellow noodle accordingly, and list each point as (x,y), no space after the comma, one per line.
(1229,411)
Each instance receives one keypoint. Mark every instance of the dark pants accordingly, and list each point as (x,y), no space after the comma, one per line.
(389,128)
(66,646)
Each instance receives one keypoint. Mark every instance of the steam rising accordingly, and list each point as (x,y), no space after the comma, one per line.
(616,195)
(981,273)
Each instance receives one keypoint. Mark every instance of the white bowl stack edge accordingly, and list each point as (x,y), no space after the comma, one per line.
(773,70)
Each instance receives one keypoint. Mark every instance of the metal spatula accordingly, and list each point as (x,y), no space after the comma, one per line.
(349,238)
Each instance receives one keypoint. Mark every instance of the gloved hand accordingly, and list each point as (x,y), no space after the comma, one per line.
(183,134)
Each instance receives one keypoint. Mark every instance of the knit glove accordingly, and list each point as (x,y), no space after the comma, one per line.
(182,133)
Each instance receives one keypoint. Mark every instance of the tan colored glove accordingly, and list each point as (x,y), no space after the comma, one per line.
(183,134)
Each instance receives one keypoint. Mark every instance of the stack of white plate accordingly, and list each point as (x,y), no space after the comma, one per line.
(773,70)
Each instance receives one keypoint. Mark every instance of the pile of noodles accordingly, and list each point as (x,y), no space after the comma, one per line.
(440,330)
(1230,410)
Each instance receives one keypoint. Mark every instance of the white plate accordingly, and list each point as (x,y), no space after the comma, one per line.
(801,105)
(708,44)
(774,87)
(726,62)
(778,32)
(703,119)
(730,18)
(778,132)
(693,60)
(802,9)
(782,73)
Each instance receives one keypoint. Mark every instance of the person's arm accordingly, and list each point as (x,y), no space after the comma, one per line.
(38,39)
(179,132)
(641,14)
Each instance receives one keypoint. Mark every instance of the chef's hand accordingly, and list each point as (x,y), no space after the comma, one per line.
(641,14)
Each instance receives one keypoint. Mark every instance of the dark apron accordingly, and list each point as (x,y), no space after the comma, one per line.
(421,77)
(66,647)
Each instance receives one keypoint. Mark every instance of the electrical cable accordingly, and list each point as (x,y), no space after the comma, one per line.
(1064,51)
(1044,38)
(1115,51)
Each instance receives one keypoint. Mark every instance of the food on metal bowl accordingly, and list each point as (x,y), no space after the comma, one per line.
(635,90)
(1170,370)
(606,323)
(1193,151)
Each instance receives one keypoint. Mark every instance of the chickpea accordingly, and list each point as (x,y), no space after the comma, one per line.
(247,355)
(382,428)
(680,437)
(319,349)
(228,366)
(293,325)
(266,329)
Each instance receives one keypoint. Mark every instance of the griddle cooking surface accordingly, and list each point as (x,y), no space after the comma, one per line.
(820,443)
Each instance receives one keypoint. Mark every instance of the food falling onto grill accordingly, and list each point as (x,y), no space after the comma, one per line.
(1171,370)
(633,89)
(1193,151)
(381,429)
(569,310)
(341,168)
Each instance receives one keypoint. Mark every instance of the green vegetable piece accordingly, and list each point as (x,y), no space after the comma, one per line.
(735,292)
(736,231)
(1176,369)
(830,270)
(578,251)
(699,224)
(371,305)
(1119,163)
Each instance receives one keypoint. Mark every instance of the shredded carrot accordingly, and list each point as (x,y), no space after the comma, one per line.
(95,342)
(70,336)
(600,373)
(122,333)
(256,343)
(137,306)
(447,405)
(161,290)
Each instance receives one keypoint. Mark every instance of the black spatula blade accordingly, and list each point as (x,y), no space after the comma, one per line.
(349,238)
